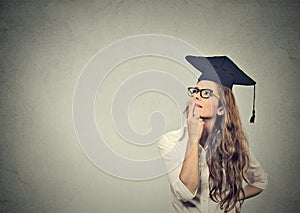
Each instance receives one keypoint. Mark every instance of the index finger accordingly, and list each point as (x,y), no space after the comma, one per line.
(192,104)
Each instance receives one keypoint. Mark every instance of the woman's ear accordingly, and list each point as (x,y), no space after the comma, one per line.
(220,110)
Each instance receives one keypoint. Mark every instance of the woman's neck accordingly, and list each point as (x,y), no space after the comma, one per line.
(208,125)
(203,138)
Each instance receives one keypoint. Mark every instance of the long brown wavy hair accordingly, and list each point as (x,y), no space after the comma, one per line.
(227,154)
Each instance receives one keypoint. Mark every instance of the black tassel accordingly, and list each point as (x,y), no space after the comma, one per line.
(252,117)
(253,108)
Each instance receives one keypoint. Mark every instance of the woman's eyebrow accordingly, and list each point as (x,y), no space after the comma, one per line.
(204,88)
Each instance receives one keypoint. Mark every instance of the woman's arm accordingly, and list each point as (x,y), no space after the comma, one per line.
(250,191)
(189,174)
(256,176)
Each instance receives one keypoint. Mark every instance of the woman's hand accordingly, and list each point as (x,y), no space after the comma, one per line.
(194,122)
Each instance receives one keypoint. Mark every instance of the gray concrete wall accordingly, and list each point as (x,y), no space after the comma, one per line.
(46,44)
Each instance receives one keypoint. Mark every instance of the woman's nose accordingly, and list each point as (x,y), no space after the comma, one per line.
(197,96)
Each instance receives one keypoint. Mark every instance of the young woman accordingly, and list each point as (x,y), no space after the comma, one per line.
(208,159)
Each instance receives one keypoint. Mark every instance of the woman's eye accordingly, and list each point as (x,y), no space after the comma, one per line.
(207,92)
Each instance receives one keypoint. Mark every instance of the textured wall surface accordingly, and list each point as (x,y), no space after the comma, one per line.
(46,44)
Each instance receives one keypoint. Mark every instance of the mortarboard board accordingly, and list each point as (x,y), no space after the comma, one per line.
(222,70)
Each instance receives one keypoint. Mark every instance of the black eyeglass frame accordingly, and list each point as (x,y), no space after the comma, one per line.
(211,92)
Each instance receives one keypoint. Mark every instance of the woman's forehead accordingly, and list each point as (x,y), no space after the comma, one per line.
(207,84)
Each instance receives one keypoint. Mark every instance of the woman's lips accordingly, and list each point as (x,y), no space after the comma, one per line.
(197,105)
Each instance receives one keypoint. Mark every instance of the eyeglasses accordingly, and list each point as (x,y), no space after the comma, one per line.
(204,93)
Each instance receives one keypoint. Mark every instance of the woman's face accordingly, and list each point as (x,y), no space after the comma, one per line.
(208,108)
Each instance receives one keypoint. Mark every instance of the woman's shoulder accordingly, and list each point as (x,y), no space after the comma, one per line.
(172,137)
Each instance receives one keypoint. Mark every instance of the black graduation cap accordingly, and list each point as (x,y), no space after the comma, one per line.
(222,70)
